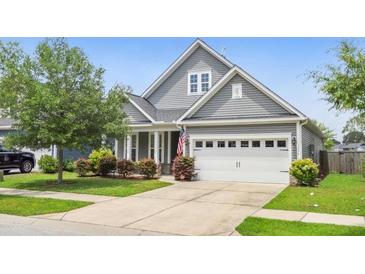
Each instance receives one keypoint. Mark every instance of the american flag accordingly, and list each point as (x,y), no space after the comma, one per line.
(182,139)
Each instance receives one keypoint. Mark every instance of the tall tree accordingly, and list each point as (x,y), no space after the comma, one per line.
(329,135)
(343,84)
(57,97)
(353,137)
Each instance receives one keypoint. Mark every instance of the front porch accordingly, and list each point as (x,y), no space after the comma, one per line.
(158,144)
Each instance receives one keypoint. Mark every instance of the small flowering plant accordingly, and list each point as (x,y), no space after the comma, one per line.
(305,171)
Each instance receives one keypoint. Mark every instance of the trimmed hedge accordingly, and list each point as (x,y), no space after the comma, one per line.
(95,157)
(48,164)
(183,168)
(69,166)
(147,167)
(305,171)
(125,167)
(107,165)
(83,167)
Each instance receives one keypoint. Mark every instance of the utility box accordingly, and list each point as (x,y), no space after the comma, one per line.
(1,175)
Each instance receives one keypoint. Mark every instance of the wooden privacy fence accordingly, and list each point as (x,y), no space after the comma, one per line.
(341,162)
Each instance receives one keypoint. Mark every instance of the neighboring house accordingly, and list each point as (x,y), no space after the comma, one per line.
(239,130)
(353,147)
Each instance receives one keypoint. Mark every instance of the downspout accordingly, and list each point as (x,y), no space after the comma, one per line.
(300,138)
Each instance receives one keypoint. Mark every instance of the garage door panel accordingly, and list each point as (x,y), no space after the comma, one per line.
(250,164)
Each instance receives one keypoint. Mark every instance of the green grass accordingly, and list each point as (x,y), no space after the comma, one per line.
(85,185)
(266,227)
(336,194)
(27,206)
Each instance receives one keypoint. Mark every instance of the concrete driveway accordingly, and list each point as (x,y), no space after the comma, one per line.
(189,208)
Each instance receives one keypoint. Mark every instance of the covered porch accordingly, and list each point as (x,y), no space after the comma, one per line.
(158,143)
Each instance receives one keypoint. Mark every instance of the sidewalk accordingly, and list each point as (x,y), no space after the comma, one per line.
(310,217)
(56,195)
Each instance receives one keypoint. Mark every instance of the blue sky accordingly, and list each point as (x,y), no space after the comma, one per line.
(279,63)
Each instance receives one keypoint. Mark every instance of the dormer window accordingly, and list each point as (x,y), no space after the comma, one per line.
(199,82)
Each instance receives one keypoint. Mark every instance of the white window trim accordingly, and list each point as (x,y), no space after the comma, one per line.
(199,83)
(234,86)
(161,143)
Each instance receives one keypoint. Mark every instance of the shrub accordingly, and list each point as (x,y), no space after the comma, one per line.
(83,167)
(125,167)
(363,166)
(107,165)
(69,166)
(147,168)
(305,171)
(183,168)
(48,164)
(95,157)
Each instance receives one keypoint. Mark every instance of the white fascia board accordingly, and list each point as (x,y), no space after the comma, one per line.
(141,110)
(241,121)
(5,127)
(179,61)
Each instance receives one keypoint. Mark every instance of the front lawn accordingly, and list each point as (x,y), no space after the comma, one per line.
(337,194)
(266,227)
(85,185)
(27,206)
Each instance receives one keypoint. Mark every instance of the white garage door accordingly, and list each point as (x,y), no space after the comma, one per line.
(259,160)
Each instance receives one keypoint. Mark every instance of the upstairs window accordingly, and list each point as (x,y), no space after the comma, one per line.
(193,83)
(205,81)
(199,82)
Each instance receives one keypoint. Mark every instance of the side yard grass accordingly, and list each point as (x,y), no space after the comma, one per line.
(84,185)
(253,226)
(27,206)
(337,194)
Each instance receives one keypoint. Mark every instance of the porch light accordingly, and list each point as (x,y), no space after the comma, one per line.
(293,140)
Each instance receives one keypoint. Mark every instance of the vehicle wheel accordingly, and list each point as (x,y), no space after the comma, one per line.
(26,166)
(6,172)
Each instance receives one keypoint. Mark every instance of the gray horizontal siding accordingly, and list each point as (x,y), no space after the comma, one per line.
(248,129)
(309,138)
(134,115)
(172,94)
(6,122)
(253,103)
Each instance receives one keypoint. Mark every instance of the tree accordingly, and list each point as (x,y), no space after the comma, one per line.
(57,97)
(354,137)
(344,84)
(329,134)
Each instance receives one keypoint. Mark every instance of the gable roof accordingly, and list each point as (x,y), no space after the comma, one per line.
(198,43)
(143,106)
(153,114)
(229,75)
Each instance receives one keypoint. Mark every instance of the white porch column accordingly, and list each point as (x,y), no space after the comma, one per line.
(184,146)
(129,147)
(299,141)
(156,145)
(168,147)
(116,145)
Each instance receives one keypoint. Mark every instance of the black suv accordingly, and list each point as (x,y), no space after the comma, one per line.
(14,159)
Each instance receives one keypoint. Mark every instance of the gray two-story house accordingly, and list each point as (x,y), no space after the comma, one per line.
(239,130)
